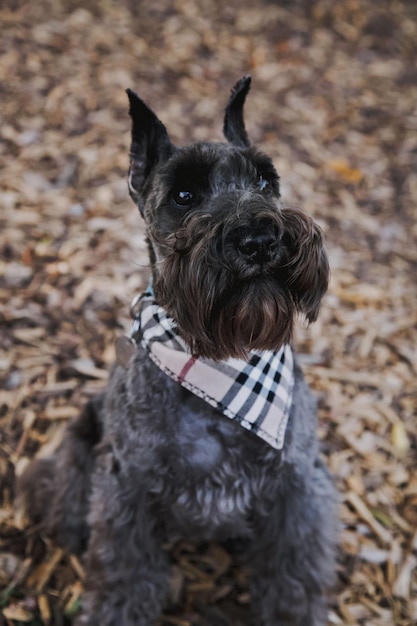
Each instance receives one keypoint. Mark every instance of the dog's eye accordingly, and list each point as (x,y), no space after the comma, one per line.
(183,198)
(262,183)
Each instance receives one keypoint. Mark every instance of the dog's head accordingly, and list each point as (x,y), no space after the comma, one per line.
(230,264)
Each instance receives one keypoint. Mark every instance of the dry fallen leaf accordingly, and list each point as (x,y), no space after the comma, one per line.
(17,613)
(400,439)
(345,171)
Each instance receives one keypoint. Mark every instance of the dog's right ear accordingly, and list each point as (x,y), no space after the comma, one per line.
(150,145)
(234,125)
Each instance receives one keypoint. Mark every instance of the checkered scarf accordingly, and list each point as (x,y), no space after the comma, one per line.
(256,393)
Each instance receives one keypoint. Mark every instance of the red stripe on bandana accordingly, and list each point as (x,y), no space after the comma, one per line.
(183,373)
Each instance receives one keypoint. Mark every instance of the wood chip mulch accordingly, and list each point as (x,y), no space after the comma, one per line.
(334,100)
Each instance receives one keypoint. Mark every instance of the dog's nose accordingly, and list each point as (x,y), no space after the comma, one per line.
(257,247)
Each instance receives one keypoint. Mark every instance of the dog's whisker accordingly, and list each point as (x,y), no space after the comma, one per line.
(143,266)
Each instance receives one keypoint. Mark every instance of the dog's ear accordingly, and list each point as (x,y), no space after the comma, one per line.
(234,125)
(150,145)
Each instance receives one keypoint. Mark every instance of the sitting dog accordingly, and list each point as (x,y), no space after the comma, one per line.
(207,430)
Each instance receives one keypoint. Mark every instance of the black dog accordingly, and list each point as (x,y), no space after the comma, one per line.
(207,429)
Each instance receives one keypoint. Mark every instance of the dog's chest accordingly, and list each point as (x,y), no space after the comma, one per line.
(200,434)
(208,442)
(184,431)
(205,472)
(215,472)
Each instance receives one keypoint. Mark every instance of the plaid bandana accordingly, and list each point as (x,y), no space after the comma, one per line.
(256,393)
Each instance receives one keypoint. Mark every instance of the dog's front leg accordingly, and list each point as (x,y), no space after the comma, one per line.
(126,569)
(293,558)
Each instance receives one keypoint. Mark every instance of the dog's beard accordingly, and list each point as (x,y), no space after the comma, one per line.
(223,311)
(244,317)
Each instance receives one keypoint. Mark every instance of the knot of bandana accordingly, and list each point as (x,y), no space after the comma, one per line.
(256,393)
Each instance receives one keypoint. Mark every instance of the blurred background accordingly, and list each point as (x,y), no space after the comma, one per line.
(334,101)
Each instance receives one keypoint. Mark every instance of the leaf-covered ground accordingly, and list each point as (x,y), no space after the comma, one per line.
(334,101)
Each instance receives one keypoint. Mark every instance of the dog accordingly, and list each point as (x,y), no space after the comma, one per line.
(207,430)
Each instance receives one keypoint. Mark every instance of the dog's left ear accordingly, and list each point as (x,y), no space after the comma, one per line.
(234,125)
(150,145)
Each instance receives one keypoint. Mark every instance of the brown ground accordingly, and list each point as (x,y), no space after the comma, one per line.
(334,100)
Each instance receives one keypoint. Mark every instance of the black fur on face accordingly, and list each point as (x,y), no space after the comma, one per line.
(230,265)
